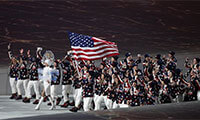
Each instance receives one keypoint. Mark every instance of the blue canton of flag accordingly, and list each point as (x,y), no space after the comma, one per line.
(79,40)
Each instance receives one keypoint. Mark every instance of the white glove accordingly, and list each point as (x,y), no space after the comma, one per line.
(39,48)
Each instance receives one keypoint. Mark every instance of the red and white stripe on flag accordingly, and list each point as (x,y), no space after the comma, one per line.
(100,50)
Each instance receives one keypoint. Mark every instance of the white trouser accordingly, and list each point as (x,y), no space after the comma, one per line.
(101,99)
(54,91)
(98,101)
(95,102)
(66,89)
(77,96)
(95,97)
(198,95)
(47,88)
(109,103)
(87,103)
(25,84)
(181,98)
(35,85)
(115,105)
(13,85)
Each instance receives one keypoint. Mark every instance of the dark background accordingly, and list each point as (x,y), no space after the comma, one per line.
(138,26)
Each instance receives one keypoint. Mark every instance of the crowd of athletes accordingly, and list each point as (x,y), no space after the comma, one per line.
(112,84)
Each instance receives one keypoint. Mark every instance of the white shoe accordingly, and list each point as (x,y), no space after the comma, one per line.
(52,107)
(40,102)
(52,103)
(37,108)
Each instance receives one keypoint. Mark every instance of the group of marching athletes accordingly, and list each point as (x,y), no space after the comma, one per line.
(116,83)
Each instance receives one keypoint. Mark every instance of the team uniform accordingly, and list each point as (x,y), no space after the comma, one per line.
(23,80)
(102,91)
(77,93)
(13,76)
(55,82)
(66,82)
(97,93)
(87,93)
(33,83)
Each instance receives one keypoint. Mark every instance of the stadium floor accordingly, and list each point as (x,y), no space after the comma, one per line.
(10,109)
(17,109)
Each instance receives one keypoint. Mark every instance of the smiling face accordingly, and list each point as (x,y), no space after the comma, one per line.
(194,61)
(85,68)
(101,66)
(147,58)
(112,59)
(28,52)
(170,74)
(14,61)
(135,67)
(21,51)
(20,60)
(88,62)
(169,55)
(134,84)
(129,57)
(116,80)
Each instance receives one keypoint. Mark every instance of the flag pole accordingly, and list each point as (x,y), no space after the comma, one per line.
(74,62)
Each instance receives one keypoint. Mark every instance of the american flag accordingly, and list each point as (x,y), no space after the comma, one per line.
(91,48)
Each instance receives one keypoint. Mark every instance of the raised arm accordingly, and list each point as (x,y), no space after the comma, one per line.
(38,52)
(187,64)
(10,55)
(68,56)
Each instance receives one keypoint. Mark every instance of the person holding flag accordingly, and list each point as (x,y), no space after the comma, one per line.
(89,48)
